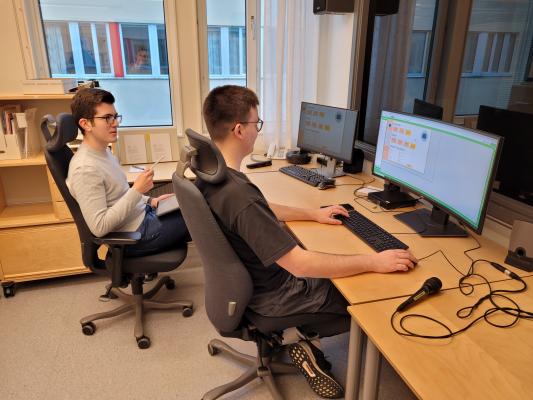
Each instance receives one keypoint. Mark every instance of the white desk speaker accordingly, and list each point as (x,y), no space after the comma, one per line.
(520,252)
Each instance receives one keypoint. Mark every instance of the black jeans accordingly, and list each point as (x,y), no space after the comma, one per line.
(159,233)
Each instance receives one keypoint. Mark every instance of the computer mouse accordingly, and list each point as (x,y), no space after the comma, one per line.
(326,184)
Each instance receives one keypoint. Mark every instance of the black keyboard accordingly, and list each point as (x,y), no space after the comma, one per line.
(374,235)
(303,174)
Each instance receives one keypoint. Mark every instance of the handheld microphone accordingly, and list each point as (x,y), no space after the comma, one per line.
(430,286)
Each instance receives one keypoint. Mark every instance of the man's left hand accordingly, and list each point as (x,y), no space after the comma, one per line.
(326,215)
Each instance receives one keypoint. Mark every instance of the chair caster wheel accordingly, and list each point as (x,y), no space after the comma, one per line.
(143,342)
(170,284)
(212,350)
(187,311)
(88,329)
(9,288)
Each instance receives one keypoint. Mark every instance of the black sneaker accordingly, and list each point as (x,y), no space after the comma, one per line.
(313,365)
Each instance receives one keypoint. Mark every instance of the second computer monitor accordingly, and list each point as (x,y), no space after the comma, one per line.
(450,166)
(327,130)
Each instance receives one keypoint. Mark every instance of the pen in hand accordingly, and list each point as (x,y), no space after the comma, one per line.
(157,162)
(501,268)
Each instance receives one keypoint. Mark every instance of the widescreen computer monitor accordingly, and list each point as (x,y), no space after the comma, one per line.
(450,166)
(327,130)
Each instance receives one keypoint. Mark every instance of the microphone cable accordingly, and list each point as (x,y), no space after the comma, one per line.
(513,309)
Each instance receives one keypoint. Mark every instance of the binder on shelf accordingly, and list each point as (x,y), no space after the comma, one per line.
(18,134)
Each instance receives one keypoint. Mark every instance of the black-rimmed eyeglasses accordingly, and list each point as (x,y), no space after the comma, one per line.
(258,124)
(111,118)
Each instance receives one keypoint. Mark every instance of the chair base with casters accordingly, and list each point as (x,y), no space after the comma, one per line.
(138,302)
(262,366)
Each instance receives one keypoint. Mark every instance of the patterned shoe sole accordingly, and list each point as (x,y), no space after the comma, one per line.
(321,383)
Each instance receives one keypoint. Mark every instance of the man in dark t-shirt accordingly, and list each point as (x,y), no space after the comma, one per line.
(287,279)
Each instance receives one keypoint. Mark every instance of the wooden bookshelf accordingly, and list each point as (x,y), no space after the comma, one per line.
(38,238)
(28,215)
(37,160)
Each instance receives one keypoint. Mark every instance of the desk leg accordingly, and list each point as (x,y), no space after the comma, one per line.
(353,372)
(371,376)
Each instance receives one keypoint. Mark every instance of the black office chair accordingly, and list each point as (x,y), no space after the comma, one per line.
(228,285)
(122,270)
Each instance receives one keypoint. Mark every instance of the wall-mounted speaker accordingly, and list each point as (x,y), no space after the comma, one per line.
(520,254)
(333,6)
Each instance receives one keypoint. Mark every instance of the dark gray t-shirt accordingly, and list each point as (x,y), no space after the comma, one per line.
(259,240)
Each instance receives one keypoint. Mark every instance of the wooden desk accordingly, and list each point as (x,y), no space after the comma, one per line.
(162,172)
(336,239)
(371,287)
(482,363)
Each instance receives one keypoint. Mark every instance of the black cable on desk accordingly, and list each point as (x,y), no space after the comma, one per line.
(467,288)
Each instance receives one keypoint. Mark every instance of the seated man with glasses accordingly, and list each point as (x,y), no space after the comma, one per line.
(288,280)
(97,182)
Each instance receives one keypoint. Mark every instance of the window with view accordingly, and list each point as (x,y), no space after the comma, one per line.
(495,56)
(128,56)
(226,42)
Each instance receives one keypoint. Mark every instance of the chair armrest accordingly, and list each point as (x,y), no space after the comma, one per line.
(116,241)
(119,238)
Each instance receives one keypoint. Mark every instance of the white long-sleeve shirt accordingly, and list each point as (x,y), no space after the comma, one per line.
(101,188)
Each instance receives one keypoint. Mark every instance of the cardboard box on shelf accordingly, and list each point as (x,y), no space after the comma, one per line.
(48,86)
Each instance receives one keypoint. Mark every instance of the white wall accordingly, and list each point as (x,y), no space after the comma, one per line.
(12,65)
(334,59)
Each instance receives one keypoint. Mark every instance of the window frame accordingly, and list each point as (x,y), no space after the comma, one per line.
(178,17)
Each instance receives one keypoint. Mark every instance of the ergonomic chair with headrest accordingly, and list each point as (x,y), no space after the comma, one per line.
(122,270)
(228,285)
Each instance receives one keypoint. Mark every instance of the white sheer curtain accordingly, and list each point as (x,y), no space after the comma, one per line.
(289,67)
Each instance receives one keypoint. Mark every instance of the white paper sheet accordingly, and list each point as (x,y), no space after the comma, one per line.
(134,149)
(160,146)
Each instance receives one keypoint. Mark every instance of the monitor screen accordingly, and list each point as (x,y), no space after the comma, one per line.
(327,130)
(450,166)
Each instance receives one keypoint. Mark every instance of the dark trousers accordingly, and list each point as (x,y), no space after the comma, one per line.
(332,318)
(159,233)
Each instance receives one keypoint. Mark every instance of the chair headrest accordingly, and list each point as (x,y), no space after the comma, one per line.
(66,131)
(206,161)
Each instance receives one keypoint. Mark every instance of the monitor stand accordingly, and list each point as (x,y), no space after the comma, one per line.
(392,197)
(330,170)
(434,223)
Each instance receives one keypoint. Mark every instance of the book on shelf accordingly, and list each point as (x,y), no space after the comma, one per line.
(18,134)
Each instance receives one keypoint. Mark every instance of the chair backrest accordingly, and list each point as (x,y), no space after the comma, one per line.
(228,285)
(58,156)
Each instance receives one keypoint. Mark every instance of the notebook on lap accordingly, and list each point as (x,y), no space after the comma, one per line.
(167,205)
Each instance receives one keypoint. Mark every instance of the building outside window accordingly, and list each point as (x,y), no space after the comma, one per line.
(489,53)
(495,57)
(226,46)
(419,53)
(128,57)
(225,37)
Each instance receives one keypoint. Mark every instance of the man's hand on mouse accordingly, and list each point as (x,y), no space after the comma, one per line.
(327,215)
